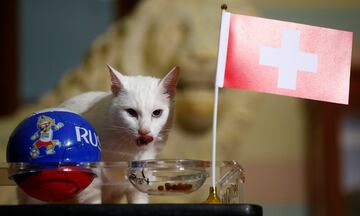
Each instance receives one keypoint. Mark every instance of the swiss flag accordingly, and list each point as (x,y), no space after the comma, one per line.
(284,58)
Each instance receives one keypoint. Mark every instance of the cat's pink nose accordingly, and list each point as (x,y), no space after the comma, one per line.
(143,132)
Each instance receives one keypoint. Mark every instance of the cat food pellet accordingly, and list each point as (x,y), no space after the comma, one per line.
(167,186)
(175,187)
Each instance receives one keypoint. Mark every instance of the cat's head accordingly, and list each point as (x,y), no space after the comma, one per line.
(142,105)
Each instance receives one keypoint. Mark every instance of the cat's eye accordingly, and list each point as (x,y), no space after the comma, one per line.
(132,112)
(157,113)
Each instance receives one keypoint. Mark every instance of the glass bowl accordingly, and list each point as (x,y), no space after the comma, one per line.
(167,177)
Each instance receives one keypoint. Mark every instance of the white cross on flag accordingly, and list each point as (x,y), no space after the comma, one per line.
(284,58)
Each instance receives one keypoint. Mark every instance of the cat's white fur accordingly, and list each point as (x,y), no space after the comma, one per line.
(120,131)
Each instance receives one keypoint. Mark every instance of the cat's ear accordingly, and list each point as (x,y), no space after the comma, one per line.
(115,76)
(170,80)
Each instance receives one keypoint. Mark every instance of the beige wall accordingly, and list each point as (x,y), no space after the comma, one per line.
(273,153)
(307,4)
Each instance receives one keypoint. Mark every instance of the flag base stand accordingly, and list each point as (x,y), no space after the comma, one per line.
(213,197)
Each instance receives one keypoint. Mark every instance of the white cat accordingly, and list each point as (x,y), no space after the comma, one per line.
(132,121)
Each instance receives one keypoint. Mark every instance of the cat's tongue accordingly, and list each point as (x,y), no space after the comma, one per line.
(144,140)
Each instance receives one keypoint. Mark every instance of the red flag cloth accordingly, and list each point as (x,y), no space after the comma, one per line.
(284,58)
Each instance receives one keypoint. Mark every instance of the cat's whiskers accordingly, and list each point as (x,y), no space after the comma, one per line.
(119,129)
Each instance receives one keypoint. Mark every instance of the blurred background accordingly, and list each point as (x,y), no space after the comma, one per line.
(301,157)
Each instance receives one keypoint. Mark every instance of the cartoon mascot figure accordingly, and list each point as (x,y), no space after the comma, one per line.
(44,135)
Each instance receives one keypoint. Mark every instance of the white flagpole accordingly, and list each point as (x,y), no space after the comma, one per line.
(219,80)
(220,70)
(213,157)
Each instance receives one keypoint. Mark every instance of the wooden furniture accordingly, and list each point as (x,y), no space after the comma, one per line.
(324,174)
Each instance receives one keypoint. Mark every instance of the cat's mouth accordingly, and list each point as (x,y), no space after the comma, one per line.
(144,140)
